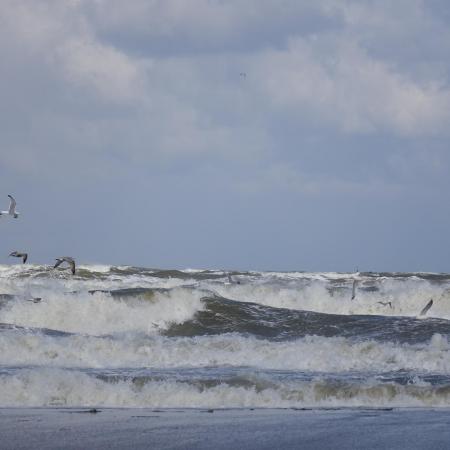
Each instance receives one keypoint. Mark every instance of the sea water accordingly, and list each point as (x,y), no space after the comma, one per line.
(136,337)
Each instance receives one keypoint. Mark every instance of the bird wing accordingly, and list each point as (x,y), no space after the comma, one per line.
(354,289)
(427,307)
(24,257)
(72,265)
(12,205)
(58,262)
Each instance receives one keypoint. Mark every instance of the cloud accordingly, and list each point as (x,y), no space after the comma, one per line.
(175,27)
(287,180)
(336,80)
(150,82)
(55,37)
(107,71)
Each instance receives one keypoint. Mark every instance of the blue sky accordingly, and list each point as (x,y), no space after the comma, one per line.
(128,134)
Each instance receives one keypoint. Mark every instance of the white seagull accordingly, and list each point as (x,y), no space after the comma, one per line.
(355,282)
(12,209)
(66,259)
(17,254)
(426,308)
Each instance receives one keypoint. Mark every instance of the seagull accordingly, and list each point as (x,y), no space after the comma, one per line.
(426,308)
(231,281)
(66,259)
(354,289)
(24,256)
(12,208)
(386,304)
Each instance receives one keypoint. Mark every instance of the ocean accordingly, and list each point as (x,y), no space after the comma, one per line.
(120,336)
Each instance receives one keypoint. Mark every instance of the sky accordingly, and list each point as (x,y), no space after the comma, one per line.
(247,135)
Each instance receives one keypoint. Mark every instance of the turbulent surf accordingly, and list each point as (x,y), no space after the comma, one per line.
(126,336)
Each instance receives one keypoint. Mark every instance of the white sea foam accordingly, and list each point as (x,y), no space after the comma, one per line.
(312,353)
(100,313)
(407,297)
(57,387)
(320,292)
(36,279)
(100,268)
(120,334)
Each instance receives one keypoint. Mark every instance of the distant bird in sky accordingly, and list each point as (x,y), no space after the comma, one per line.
(24,256)
(70,261)
(12,209)
(243,75)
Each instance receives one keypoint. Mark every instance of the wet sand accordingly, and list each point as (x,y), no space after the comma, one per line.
(78,428)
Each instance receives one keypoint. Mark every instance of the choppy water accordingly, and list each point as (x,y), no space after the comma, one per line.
(125,336)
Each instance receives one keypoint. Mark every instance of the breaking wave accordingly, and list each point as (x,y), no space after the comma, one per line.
(72,388)
(126,336)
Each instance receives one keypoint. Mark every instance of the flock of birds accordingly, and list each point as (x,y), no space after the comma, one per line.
(424,310)
(12,213)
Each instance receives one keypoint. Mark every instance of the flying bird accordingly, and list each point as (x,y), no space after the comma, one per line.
(426,308)
(70,261)
(12,209)
(231,281)
(354,289)
(386,304)
(24,256)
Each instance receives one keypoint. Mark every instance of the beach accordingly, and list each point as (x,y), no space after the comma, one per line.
(119,357)
(116,428)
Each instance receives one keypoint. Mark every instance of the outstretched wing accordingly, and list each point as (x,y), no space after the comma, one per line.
(58,263)
(24,257)
(12,205)
(427,307)
(72,265)
(354,289)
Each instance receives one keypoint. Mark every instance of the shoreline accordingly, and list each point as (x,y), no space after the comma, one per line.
(200,428)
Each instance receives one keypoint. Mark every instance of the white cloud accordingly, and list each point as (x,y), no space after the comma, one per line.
(337,81)
(206,25)
(109,72)
(284,178)
(57,35)
(308,66)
